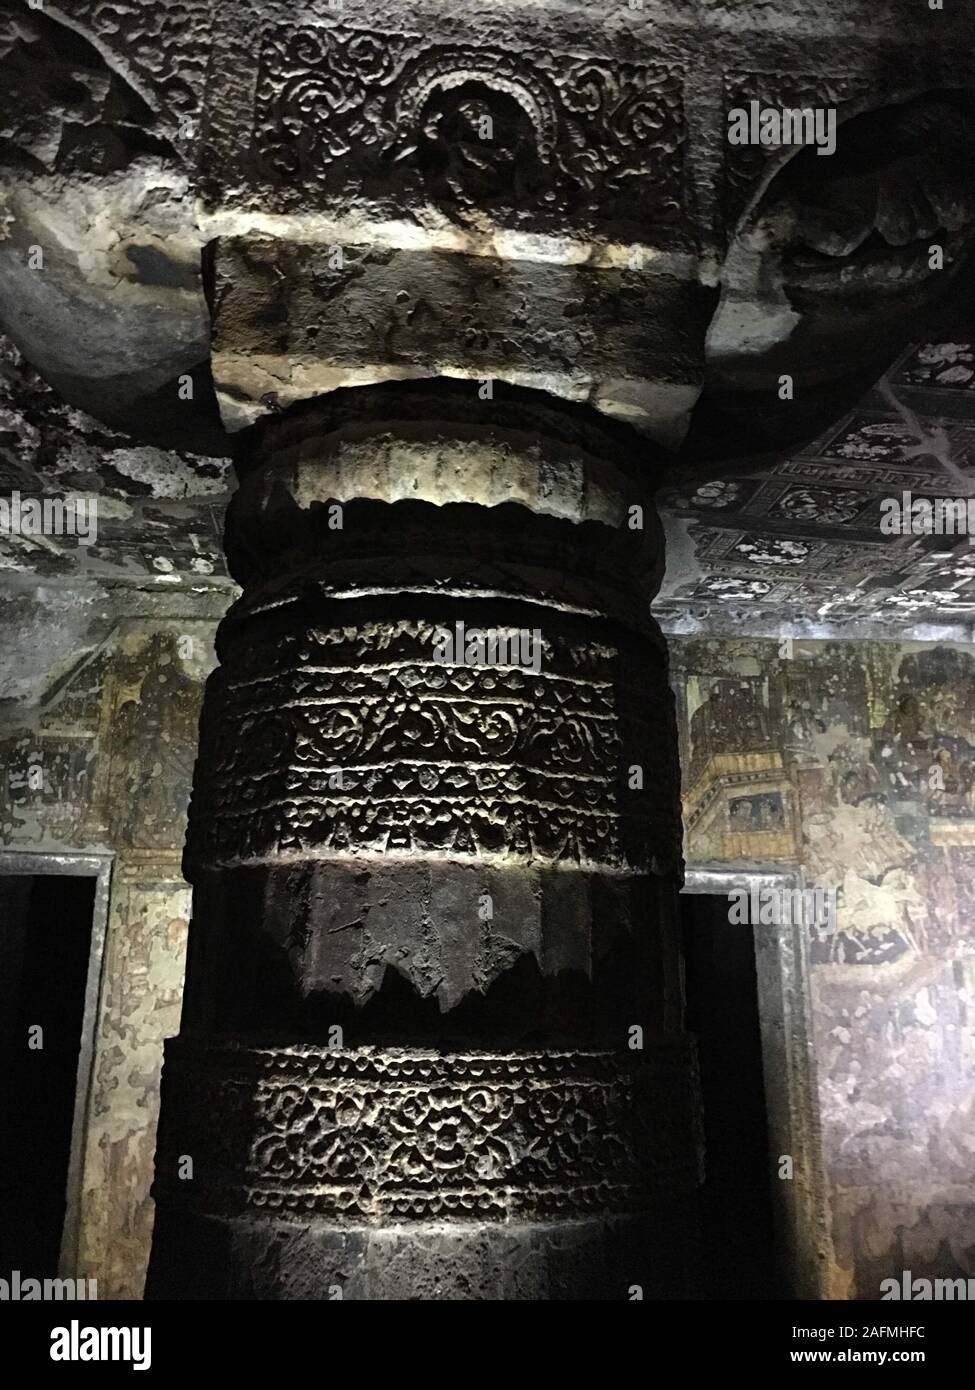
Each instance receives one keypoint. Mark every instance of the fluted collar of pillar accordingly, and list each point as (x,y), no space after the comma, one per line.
(442,485)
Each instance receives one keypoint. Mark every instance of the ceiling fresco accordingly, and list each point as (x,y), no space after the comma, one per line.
(799,543)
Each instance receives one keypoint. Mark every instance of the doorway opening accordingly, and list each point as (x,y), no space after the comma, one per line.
(51,938)
(738,1240)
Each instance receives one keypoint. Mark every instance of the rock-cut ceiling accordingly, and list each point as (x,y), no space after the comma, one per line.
(606,244)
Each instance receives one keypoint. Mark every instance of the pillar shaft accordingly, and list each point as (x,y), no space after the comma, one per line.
(431,1035)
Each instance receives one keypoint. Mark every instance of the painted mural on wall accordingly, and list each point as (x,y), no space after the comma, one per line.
(869,748)
(101,758)
(739,802)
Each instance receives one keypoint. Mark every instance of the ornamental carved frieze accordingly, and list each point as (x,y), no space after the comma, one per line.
(65,109)
(377,1134)
(465,129)
(163,50)
(355,740)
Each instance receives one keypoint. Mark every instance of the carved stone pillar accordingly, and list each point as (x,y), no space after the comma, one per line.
(431,1038)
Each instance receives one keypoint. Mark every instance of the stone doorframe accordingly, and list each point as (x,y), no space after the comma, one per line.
(789,1068)
(96,865)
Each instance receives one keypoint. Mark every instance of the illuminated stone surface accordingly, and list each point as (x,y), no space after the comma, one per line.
(547,198)
(451,864)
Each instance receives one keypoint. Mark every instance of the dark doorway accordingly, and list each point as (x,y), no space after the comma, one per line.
(738,1251)
(45,944)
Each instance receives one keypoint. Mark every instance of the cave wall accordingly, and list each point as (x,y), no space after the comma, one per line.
(98,732)
(853,760)
(856,761)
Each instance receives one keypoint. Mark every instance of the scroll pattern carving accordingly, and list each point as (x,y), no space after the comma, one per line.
(334,102)
(380,1135)
(165,45)
(65,110)
(458,760)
